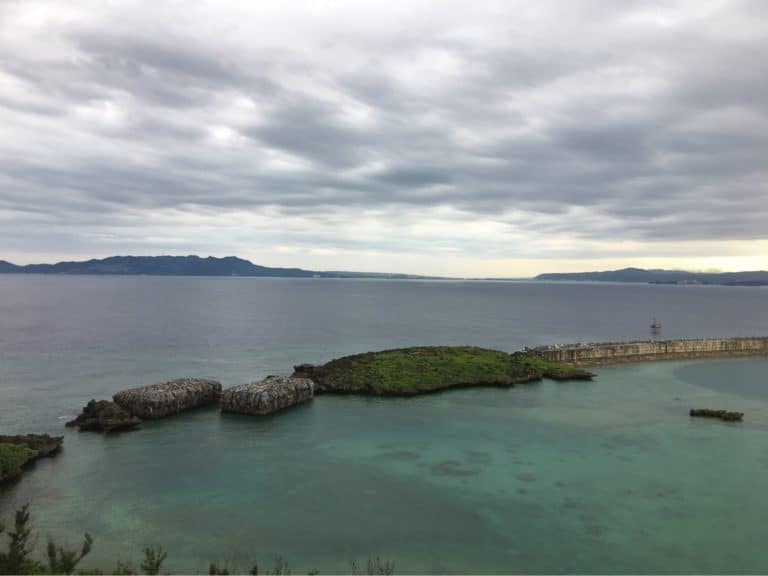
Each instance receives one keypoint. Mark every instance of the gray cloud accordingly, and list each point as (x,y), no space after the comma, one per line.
(592,120)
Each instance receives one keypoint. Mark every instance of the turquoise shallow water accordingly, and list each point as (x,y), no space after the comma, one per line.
(605,476)
(594,477)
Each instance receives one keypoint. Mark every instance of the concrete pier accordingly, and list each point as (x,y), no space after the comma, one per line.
(596,353)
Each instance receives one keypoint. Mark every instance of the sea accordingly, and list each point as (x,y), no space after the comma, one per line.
(607,476)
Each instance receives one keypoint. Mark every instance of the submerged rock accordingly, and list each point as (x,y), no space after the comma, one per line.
(104,416)
(721,414)
(159,400)
(16,452)
(269,395)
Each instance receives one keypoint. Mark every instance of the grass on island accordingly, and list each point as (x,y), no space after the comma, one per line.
(12,458)
(407,371)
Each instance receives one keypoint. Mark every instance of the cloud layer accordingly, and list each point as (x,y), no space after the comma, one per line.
(454,138)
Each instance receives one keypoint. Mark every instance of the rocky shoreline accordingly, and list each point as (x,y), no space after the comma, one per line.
(19,451)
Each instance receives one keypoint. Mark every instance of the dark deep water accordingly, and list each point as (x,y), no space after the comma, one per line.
(606,476)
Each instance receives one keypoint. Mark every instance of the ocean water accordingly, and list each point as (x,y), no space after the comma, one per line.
(591,477)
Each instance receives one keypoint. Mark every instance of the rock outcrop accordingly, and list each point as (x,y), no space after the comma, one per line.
(724,415)
(43,444)
(17,452)
(572,374)
(159,400)
(542,368)
(269,395)
(104,416)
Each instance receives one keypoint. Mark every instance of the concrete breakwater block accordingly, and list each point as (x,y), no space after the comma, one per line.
(269,395)
(167,398)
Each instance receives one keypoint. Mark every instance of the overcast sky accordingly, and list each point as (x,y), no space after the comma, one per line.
(458,138)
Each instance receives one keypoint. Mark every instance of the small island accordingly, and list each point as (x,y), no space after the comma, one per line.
(423,369)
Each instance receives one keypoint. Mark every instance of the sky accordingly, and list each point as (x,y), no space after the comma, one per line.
(450,138)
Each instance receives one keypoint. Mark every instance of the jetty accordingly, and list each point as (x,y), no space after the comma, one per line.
(166,398)
(599,353)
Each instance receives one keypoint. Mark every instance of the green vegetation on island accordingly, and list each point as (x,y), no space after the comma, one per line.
(417,370)
(16,452)
(12,458)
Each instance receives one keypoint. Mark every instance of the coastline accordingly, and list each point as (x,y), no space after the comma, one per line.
(484,441)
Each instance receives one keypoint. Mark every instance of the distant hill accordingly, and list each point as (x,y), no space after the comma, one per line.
(8,267)
(181,266)
(755,278)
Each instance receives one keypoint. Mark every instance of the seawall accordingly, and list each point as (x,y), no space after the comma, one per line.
(596,353)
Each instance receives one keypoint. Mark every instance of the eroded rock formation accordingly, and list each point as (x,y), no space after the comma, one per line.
(159,400)
(104,416)
(269,395)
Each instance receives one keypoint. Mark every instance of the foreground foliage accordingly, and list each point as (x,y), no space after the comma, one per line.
(12,458)
(408,371)
(16,557)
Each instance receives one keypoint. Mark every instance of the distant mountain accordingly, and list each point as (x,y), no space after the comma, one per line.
(8,267)
(755,278)
(181,266)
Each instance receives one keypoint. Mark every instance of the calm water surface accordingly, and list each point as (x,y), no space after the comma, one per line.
(603,476)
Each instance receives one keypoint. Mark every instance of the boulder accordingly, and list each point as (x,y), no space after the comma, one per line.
(269,395)
(104,416)
(159,400)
